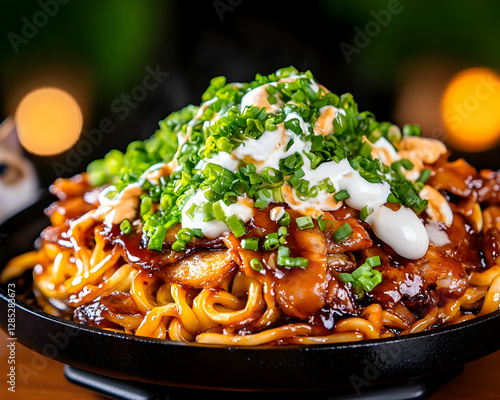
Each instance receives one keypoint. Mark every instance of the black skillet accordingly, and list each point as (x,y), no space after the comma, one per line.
(233,368)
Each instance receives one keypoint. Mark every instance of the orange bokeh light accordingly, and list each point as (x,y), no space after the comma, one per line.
(470,108)
(49,121)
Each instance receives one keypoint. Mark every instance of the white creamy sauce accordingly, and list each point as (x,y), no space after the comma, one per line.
(243,209)
(437,235)
(276,213)
(439,210)
(258,97)
(124,206)
(385,151)
(324,124)
(223,159)
(402,230)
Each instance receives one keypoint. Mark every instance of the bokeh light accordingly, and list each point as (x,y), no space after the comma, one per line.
(49,121)
(470,109)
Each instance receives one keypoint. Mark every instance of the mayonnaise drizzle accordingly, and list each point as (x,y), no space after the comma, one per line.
(243,208)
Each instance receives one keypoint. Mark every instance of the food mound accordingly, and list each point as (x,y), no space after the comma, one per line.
(273,213)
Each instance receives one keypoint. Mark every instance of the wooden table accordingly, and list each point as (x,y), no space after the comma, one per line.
(44,379)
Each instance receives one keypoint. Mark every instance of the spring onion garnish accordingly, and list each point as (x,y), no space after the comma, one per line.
(157,238)
(198,139)
(185,235)
(420,182)
(364,278)
(126,227)
(324,224)
(282,234)
(256,264)
(343,233)
(250,243)
(146,203)
(342,195)
(179,245)
(304,222)
(236,225)
(285,219)
(271,241)
(365,212)
(284,259)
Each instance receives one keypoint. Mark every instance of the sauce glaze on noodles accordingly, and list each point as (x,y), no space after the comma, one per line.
(439,266)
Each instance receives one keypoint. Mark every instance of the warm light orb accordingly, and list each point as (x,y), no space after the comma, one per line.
(49,121)
(470,109)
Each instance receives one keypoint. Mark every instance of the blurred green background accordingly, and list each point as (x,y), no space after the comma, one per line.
(395,57)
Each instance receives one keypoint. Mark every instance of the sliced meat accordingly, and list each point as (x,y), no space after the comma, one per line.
(200,270)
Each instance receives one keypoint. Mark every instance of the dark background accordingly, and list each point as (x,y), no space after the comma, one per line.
(102,51)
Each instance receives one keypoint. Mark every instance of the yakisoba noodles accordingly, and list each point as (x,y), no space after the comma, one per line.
(274,213)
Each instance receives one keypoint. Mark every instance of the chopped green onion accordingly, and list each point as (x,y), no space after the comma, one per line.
(364,278)
(343,233)
(185,235)
(146,204)
(282,231)
(236,225)
(271,175)
(424,175)
(392,199)
(156,240)
(126,227)
(412,130)
(283,252)
(304,222)
(365,212)
(256,264)
(219,213)
(375,135)
(324,224)
(365,149)
(394,134)
(346,277)
(373,261)
(197,232)
(342,195)
(179,245)
(300,262)
(250,243)
(407,164)
(271,241)
(284,259)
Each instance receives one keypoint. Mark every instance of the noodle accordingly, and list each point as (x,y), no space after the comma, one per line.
(261,218)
